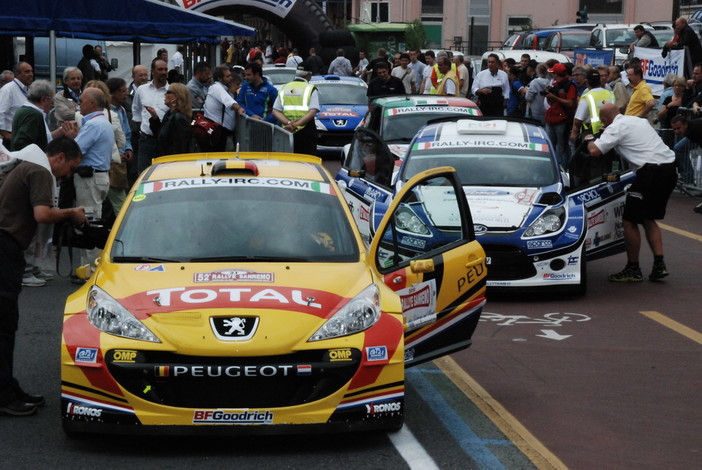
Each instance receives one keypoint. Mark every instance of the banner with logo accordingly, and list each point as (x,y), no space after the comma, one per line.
(593,57)
(655,67)
(280,8)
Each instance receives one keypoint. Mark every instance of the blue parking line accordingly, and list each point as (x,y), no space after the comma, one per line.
(468,440)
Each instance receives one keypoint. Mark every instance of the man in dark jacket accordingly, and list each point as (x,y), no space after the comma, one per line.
(686,37)
(384,83)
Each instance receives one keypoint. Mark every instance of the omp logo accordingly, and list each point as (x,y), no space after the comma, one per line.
(232,417)
(81,410)
(86,355)
(339,355)
(391,407)
(124,356)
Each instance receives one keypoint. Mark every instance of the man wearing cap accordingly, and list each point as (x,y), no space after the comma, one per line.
(587,113)
(491,87)
(295,108)
(562,97)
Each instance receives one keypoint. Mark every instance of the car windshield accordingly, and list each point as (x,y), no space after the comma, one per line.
(571,41)
(620,37)
(279,77)
(235,219)
(401,124)
(330,94)
(487,167)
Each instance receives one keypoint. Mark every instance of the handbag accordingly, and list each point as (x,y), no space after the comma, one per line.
(205,130)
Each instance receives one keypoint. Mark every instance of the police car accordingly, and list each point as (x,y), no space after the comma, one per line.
(235,294)
(538,224)
(343,104)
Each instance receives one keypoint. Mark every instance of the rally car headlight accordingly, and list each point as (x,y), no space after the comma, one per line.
(408,221)
(106,314)
(548,222)
(359,314)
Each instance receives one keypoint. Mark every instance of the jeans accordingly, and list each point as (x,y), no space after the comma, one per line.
(557,135)
(682,160)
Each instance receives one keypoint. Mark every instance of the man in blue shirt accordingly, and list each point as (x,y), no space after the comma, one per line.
(95,139)
(257,95)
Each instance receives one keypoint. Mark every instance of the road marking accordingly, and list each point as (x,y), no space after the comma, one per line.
(673,325)
(684,233)
(411,450)
(473,445)
(552,334)
(530,446)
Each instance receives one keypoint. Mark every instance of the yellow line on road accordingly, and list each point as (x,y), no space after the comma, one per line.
(675,326)
(535,451)
(684,233)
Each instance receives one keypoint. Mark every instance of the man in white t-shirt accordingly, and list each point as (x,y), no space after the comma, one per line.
(425,87)
(220,103)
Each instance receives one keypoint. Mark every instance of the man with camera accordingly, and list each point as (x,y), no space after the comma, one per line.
(27,180)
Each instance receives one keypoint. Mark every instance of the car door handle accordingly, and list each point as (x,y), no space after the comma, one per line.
(475,262)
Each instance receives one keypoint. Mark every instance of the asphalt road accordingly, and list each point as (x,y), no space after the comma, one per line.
(610,380)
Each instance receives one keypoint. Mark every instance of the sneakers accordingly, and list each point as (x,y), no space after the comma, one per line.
(628,274)
(29,280)
(658,272)
(41,274)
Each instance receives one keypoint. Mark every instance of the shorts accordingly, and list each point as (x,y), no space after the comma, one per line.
(648,196)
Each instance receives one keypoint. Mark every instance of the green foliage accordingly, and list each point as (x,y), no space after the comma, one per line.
(414,36)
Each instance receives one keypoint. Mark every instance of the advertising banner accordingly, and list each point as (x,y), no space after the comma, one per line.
(655,67)
(593,57)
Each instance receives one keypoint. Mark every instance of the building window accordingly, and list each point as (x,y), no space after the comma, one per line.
(432,7)
(602,6)
(379,12)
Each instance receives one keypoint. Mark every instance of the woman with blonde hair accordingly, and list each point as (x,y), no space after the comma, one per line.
(173,132)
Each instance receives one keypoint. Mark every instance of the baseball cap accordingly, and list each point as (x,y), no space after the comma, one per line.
(558,69)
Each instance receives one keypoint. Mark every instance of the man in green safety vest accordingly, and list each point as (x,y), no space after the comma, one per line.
(587,115)
(295,108)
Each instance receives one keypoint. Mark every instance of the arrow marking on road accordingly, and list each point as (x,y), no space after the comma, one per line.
(552,334)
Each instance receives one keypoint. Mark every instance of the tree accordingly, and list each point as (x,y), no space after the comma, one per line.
(414,36)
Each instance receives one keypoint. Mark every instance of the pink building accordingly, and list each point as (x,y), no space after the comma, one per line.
(476,25)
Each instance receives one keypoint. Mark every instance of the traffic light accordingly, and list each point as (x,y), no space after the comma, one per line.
(582,15)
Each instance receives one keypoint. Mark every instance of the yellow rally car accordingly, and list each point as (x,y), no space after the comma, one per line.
(235,294)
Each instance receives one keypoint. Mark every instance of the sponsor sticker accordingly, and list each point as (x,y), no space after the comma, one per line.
(214,182)
(232,417)
(233,275)
(377,408)
(419,304)
(150,267)
(76,409)
(559,276)
(127,356)
(536,244)
(377,353)
(336,355)
(86,355)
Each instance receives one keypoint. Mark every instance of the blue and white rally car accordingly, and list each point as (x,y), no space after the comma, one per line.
(537,223)
(343,104)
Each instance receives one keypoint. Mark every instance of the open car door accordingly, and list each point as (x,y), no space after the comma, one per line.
(366,176)
(425,250)
(600,184)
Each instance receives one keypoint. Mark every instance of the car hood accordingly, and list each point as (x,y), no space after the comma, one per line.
(500,207)
(176,301)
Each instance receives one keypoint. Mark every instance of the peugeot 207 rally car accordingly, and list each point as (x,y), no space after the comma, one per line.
(537,224)
(236,295)
(343,104)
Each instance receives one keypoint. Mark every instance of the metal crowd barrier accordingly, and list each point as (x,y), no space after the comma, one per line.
(254,135)
(689,156)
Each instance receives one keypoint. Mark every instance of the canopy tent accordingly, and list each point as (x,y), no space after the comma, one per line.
(125,20)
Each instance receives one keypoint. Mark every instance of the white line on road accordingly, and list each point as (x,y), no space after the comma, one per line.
(411,450)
